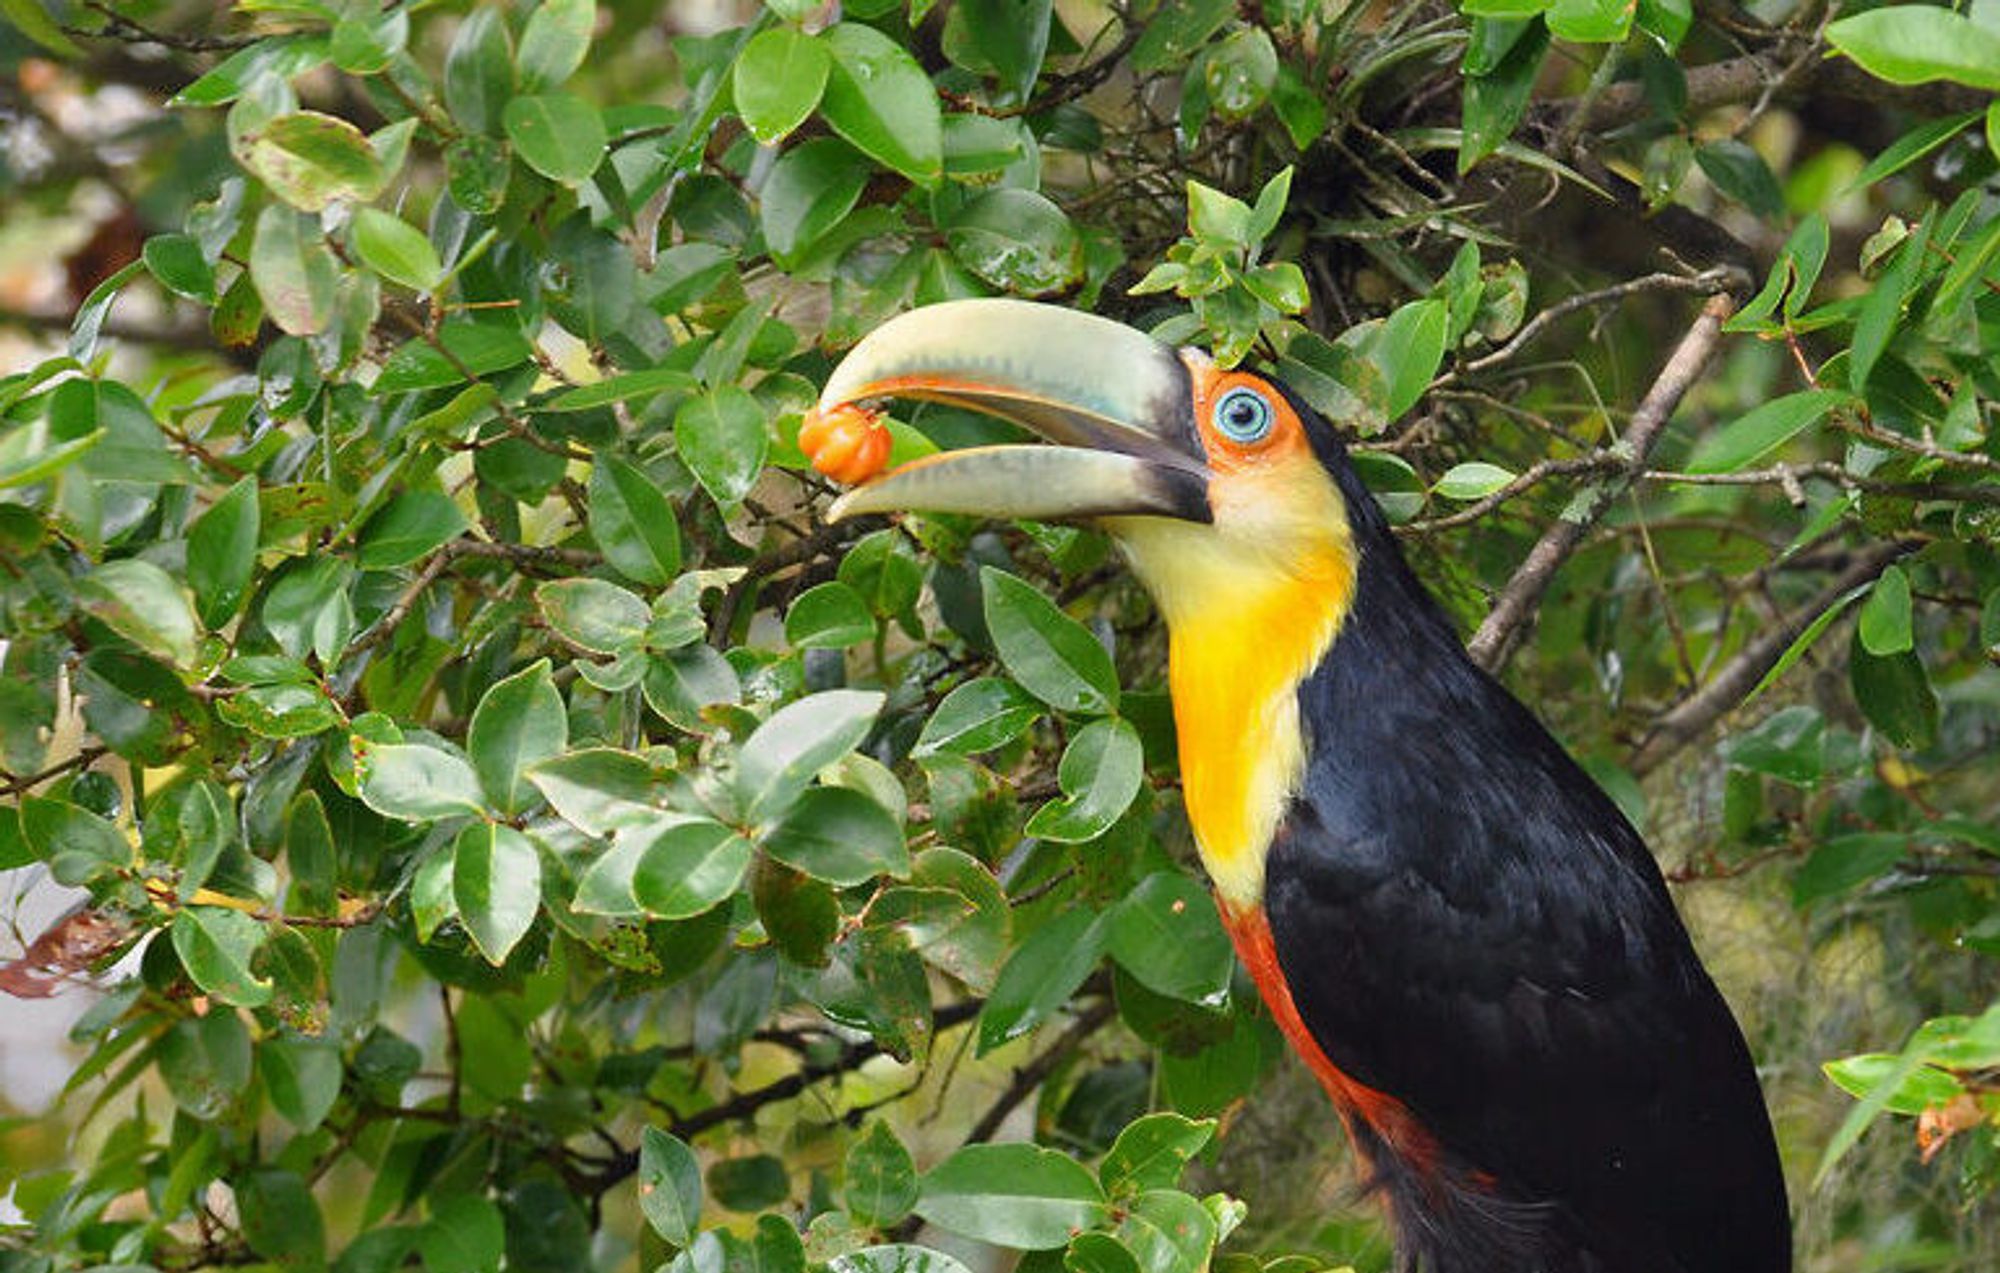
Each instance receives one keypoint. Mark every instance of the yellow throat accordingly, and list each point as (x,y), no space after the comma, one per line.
(1251,602)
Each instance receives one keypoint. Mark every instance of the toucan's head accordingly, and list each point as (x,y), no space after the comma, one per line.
(1227,498)
(1213,481)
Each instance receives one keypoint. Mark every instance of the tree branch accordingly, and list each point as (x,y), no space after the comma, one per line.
(1689,718)
(1029,1077)
(1522,596)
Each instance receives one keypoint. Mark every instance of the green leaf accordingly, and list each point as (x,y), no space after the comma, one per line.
(145,605)
(1100,773)
(801,738)
(811,189)
(31,18)
(1054,657)
(1912,146)
(1017,240)
(205,1062)
(176,261)
(78,845)
(828,616)
(222,553)
(593,614)
(1918,43)
(366,43)
(598,789)
(1846,862)
(1041,975)
(1749,438)
(1495,100)
(132,449)
(1012,36)
(721,437)
(1152,1152)
(680,683)
(416,782)
(519,723)
(627,387)
(310,160)
(1895,695)
(1742,174)
(896,1259)
(980,715)
(1176,31)
(750,1183)
(396,250)
(1591,21)
(1239,72)
(879,98)
(479,71)
(778,79)
(1472,480)
(1408,350)
(1882,309)
(281,1219)
(1168,1232)
(293,271)
(669,1186)
(1166,934)
(465,1234)
(216,945)
(409,528)
(880,1178)
(555,42)
(496,882)
(840,836)
(1885,618)
(1016,1195)
(302,1076)
(475,347)
(633,523)
(559,135)
(1805,640)
(685,865)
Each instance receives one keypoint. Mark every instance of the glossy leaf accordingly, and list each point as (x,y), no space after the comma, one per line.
(519,723)
(496,881)
(1052,655)
(633,523)
(879,98)
(1020,1196)
(779,77)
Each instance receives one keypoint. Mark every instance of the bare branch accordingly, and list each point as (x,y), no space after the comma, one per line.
(1522,596)
(1689,718)
(1029,1077)
(1723,278)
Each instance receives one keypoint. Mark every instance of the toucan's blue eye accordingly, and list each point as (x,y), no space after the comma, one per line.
(1243,415)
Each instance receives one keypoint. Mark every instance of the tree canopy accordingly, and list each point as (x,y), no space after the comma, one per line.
(478,814)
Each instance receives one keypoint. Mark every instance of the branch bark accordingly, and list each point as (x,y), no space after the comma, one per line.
(1522,597)
(1724,691)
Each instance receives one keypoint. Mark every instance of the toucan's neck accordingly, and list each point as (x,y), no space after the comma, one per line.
(1252,604)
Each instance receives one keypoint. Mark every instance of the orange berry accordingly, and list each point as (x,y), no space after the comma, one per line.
(847,443)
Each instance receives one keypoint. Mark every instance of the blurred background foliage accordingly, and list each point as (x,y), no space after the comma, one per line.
(461,806)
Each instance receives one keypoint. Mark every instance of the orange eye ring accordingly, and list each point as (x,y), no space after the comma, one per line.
(1243,421)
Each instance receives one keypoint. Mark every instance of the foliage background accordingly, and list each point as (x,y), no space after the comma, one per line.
(512,829)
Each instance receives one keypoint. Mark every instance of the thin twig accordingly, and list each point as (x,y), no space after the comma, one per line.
(1523,593)
(1730,685)
(1723,278)
(1031,1076)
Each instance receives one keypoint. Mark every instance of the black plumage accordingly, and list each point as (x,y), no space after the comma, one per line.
(1468,924)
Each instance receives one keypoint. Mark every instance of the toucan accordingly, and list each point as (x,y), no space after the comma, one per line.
(1450,921)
